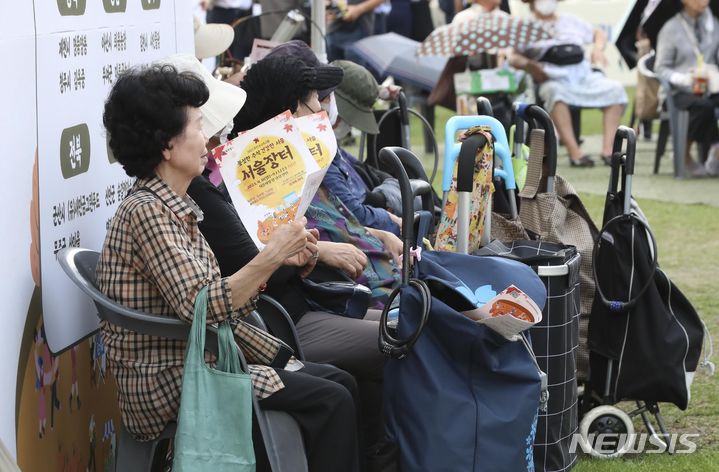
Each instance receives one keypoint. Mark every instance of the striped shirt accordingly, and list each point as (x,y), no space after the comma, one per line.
(155,260)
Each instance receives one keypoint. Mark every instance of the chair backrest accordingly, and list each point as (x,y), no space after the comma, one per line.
(79,265)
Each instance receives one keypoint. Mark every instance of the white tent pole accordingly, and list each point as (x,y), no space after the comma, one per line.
(318,29)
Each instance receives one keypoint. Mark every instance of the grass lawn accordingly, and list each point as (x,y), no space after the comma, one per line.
(688,251)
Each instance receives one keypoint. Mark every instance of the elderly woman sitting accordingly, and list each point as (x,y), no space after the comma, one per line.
(566,78)
(374,248)
(154,259)
(688,38)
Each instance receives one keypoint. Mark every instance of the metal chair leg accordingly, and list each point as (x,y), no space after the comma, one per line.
(661,143)
(680,141)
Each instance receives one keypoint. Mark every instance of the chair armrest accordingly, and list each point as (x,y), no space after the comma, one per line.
(160,326)
(279,323)
(79,265)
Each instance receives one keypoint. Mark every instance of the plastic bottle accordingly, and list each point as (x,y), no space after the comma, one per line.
(699,84)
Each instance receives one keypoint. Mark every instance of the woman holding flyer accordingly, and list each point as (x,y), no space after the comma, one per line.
(275,85)
(154,259)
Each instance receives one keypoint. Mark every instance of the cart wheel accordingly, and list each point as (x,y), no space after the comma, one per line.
(606,432)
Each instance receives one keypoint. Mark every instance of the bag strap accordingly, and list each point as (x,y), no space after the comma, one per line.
(535,162)
(618,306)
(692,37)
(196,339)
(228,359)
(424,222)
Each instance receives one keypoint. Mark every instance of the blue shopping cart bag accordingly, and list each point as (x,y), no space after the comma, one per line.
(463,398)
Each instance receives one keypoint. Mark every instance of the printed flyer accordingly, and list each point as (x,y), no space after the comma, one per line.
(509,313)
(273,171)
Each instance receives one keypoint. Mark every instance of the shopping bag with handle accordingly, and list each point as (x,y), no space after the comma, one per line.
(214,425)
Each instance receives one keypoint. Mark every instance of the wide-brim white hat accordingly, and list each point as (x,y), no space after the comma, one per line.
(211,39)
(225,99)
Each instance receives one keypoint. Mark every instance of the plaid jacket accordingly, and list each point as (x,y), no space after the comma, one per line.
(155,259)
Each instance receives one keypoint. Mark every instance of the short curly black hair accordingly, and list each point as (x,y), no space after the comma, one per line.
(273,85)
(146,108)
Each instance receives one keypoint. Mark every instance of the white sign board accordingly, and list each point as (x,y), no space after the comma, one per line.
(82,48)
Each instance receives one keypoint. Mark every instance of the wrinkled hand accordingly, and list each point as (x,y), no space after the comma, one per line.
(306,259)
(288,240)
(344,257)
(395,219)
(598,58)
(536,70)
(352,13)
(392,244)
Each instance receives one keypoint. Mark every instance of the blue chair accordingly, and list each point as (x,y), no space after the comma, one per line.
(280,433)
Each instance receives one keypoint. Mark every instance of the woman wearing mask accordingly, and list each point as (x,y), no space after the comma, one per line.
(356,94)
(273,85)
(686,42)
(566,78)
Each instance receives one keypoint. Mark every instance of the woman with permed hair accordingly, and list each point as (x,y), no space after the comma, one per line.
(154,259)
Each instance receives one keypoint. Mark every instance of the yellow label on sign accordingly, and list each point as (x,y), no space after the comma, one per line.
(270,172)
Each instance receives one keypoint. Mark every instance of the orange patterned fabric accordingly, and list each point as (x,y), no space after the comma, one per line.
(479,201)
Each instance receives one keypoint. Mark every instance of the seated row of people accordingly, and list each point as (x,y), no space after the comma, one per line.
(177,232)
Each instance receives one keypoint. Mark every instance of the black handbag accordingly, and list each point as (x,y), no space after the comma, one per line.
(563,54)
(338,297)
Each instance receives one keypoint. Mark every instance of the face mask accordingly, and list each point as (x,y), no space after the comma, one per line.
(342,129)
(331,109)
(545,7)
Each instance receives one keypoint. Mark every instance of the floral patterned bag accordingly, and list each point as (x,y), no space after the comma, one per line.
(479,200)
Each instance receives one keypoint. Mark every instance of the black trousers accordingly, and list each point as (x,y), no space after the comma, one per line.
(702,121)
(322,399)
(350,344)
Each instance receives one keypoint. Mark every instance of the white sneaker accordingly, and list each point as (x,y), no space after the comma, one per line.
(712,164)
(695,169)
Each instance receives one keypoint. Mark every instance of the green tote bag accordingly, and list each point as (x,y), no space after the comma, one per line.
(214,425)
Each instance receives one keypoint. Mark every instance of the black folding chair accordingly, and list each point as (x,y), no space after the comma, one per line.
(280,433)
